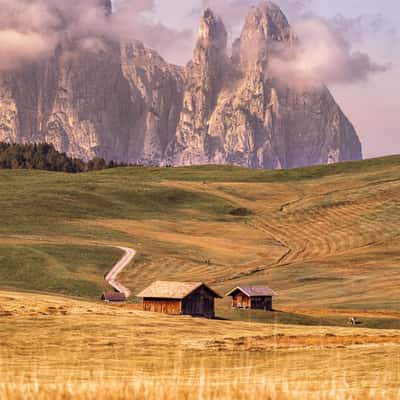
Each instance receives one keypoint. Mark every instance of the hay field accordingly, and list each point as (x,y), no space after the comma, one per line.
(59,348)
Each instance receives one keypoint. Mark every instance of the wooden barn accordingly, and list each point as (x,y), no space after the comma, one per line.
(180,298)
(113,297)
(252,297)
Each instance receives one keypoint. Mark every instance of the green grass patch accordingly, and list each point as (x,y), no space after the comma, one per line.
(67,270)
(278,317)
(41,203)
(213,173)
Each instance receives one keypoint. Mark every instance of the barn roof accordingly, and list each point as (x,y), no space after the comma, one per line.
(253,291)
(113,296)
(172,290)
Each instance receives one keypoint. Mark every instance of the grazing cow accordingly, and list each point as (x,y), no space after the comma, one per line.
(354,321)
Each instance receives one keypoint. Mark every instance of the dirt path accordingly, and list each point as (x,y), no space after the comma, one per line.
(111,277)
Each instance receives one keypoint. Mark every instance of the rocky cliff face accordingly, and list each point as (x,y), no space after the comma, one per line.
(204,81)
(125,103)
(122,103)
(252,118)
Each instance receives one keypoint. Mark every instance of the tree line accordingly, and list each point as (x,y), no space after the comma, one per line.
(44,156)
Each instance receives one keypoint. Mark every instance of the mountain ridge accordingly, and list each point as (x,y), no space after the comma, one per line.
(126,103)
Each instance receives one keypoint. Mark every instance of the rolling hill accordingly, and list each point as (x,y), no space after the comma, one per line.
(323,237)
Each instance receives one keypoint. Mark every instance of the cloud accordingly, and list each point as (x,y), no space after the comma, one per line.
(134,20)
(31,30)
(362,27)
(322,53)
(325,50)
(17,48)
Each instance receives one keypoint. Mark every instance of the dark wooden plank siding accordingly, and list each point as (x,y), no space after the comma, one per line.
(241,300)
(199,303)
(261,303)
(167,306)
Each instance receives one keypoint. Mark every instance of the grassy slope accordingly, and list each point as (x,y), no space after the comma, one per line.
(68,269)
(40,207)
(323,237)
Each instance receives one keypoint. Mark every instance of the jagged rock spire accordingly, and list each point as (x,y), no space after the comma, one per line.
(209,56)
(241,117)
(212,40)
(264,25)
(204,80)
(212,31)
(107,5)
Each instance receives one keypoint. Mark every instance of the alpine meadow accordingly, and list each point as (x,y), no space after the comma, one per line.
(199,200)
(324,237)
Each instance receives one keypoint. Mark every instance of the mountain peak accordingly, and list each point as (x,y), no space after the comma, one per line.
(208,13)
(268,6)
(276,19)
(265,24)
(212,30)
(107,5)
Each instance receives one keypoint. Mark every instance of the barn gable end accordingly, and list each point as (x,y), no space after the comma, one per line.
(200,303)
(187,298)
(252,297)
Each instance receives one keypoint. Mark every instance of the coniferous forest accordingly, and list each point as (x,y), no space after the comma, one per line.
(44,156)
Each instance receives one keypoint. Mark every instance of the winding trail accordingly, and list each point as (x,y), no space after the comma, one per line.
(111,277)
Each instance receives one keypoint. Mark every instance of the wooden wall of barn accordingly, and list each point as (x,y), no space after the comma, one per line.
(261,303)
(240,300)
(167,306)
(199,303)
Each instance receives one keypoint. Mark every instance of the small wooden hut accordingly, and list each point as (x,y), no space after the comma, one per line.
(113,297)
(252,297)
(180,298)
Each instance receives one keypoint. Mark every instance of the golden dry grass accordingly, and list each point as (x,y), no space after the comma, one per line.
(202,389)
(58,348)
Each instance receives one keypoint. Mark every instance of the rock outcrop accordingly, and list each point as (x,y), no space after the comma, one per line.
(122,103)
(204,81)
(252,118)
(125,103)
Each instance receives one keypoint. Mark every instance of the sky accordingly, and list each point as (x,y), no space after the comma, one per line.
(373,104)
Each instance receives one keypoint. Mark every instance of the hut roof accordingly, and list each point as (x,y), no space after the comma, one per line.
(113,296)
(172,290)
(253,291)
